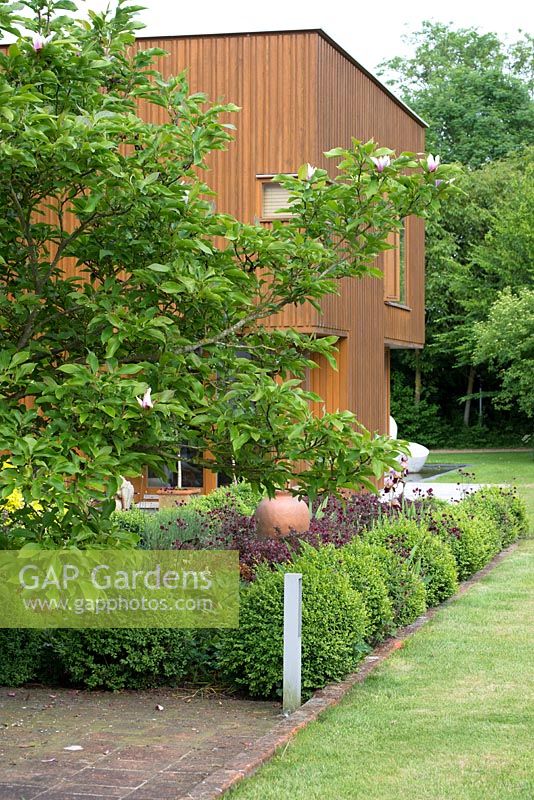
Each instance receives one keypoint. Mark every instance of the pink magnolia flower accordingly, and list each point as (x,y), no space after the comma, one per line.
(146,400)
(40,41)
(432,162)
(310,172)
(381,162)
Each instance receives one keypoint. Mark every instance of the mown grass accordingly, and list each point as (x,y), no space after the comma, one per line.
(448,717)
(515,469)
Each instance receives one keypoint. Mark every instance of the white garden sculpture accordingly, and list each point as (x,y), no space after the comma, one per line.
(418,452)
(125,495)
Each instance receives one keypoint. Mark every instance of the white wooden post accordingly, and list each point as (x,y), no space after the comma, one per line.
(292,641)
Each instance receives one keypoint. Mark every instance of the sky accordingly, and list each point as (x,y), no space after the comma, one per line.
(370,31)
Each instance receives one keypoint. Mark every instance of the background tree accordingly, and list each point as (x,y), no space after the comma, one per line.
(157,340)
(506,338)
(474,92)
(476,95)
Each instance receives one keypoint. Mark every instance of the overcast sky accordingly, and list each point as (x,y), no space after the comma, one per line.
(370,31)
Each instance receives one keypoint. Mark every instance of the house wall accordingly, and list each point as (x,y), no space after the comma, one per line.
(351,104)
(300,96)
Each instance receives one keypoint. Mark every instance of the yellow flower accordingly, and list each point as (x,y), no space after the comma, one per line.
(15,500)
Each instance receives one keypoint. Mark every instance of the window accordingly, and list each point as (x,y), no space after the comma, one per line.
(394,267)
(274,198)
(184,474)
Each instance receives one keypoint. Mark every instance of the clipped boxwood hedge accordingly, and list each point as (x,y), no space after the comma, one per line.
(334,627)
(427,554)
(405,587)
(354,595)
(22,656)
(124,658)
(368,575)
(506,509)
(473,539)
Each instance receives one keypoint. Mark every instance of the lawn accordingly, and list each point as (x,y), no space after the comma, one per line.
(448,717)
(504,467)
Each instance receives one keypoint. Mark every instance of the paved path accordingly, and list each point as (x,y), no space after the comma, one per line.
(485,450)
(130,749)
(443,491)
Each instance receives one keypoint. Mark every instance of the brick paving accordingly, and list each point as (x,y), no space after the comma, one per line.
(130,749)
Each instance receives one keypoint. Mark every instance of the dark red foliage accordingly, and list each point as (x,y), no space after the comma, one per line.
(440,523)
(337,523)
(340,521)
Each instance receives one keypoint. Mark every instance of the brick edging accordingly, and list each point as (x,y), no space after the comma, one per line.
(248,761)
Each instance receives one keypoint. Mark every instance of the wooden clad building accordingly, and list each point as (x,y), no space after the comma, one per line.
(301,94)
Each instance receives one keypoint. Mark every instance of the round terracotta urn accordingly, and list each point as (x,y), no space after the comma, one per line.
(280,515)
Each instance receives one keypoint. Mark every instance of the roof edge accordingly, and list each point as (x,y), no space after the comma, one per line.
(320,32)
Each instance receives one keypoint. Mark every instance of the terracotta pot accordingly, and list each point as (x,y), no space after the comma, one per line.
(176,497)
(280,515)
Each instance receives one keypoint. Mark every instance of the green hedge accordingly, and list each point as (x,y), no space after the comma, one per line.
(22,656)
(368,575)
(124,658)
(472,539)
(506,509)
(334,627)
(405,586)
(429,556)
(240,496)
(352,597)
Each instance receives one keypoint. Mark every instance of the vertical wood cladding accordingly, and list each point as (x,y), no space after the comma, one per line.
(350,104)
(299,96)
(272,78)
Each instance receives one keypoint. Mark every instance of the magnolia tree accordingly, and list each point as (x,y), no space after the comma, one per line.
(159,339)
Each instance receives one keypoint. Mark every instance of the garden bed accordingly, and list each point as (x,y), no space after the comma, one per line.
(368,568)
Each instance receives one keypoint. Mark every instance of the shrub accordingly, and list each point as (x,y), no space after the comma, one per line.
(343,519)
(427,554)
(406,589)
(173,527)
(334,626)
(507,510)
(21,656)
(239,496)
(124,658)
(132,520)
(367,575)
(473,538)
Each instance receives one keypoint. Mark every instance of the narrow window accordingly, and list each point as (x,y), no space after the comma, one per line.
(402,263)
(184,473)
(394,267)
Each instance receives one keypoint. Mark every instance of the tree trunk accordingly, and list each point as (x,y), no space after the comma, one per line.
(470,387)
(418,378)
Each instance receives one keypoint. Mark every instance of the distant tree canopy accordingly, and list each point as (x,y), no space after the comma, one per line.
(474,91)
(506,339)
(476,95)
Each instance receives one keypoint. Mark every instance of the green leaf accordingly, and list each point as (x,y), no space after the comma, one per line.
(112,347)
(71,369)
(159,267)
(172,287)
(204,247)
(19,358)
(92,360)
